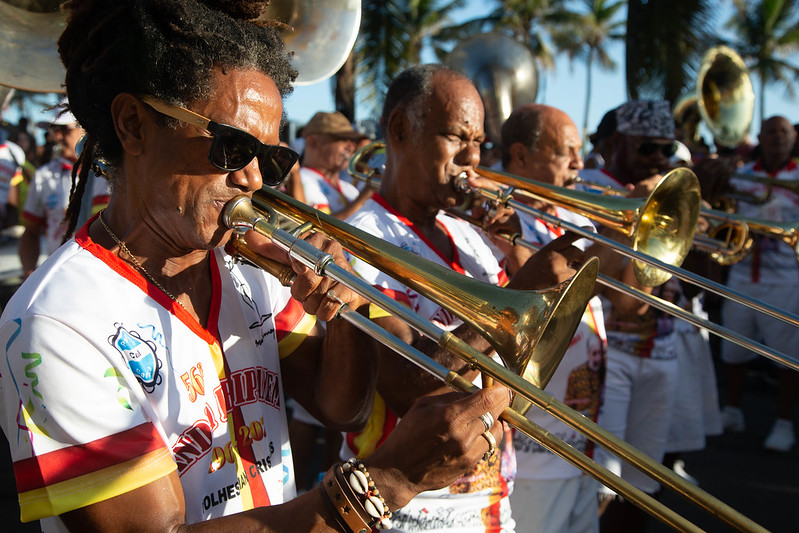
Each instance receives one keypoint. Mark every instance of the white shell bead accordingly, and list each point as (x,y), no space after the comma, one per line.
(358,481)
(374,506)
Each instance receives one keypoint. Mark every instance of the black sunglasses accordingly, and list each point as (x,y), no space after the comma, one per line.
(231,148)
(649,148)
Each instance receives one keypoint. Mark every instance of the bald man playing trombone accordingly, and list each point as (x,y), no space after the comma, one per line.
(433,124)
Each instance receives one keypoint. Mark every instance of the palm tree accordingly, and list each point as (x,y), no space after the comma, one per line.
(766,32)
(665,42)
(586,36)
(393,33)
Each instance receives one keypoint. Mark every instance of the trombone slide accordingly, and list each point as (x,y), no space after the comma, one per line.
(521,387)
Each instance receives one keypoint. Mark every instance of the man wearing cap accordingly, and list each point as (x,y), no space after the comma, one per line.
(48,193)
(642,372)
(330,141)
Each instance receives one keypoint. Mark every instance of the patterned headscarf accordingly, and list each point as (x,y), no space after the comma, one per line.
(647,118)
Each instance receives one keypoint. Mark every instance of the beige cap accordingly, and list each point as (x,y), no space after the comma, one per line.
(334,123)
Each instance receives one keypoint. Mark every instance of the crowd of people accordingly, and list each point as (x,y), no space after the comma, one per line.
(155,380)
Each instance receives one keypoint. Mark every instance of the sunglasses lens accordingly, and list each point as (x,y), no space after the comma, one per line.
(275,163)
(648,148)
(232,150)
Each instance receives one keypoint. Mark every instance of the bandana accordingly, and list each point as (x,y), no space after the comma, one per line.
(647,118)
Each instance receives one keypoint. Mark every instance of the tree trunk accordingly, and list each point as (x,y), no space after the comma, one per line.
(345,88)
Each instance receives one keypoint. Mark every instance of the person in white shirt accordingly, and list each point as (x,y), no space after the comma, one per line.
(48,194)
(768,273)
(542,143)
(330,141)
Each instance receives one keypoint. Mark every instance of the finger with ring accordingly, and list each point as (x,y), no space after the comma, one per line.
(487,420)
(492,445)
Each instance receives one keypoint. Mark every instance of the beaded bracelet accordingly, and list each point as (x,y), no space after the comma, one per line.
(356,503)
(374,504)
(342,502)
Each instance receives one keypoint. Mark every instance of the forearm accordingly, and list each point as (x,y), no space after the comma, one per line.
(29,249)
(402,382)
(346,375)
(355,205)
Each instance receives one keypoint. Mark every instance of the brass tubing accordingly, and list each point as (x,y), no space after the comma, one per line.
(351,238)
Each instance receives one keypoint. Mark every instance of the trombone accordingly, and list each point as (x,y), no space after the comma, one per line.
(414,271)
(735,244)
(360,169)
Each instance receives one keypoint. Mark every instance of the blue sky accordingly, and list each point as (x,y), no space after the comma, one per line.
(563,88)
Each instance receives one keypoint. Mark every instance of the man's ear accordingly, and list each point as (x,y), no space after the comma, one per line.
(129,115)
(399,126)
(518,154)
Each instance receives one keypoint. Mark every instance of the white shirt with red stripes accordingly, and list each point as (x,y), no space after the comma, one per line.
(771,261)
(478,502)
(110,385)
(48,196)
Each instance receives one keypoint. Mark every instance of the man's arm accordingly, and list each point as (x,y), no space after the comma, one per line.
(356,204)
(30,246)
(439,439)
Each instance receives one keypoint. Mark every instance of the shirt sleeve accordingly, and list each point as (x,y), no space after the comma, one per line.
(77,432)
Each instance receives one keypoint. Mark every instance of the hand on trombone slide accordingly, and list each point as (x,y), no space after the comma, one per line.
(320,295)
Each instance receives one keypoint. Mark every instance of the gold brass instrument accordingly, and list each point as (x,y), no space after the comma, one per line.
(360,169)
(502,69)
(239,214)
(727,240)
(321,36)
(661,226)
(528,329)
(725,96)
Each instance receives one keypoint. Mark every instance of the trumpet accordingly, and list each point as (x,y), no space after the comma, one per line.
(239,214)
(763,197)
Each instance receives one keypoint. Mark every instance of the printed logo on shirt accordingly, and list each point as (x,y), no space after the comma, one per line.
(140,356)
(261,324)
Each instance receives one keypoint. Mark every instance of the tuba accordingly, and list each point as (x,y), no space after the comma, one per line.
(725,96)
(504,72)
(320,37)
(28,51)
(321,34)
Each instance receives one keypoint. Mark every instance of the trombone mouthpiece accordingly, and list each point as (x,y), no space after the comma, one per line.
(238,214)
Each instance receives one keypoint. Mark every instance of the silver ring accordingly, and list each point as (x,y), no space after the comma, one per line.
(487,420)
(492,445)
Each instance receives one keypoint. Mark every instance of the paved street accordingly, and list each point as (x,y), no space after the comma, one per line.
(734,467)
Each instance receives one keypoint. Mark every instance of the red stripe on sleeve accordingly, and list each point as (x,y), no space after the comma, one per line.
(61,465)
(288,318)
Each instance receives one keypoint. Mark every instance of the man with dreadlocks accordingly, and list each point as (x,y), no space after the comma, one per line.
(145,376)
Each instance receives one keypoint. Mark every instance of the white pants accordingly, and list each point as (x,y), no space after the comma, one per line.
(555,505)
(696,409)
(755,325)
(639,400)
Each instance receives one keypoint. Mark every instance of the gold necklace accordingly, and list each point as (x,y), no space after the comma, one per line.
(136,261)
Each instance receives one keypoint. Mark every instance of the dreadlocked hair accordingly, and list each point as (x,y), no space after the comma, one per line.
(161,48)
